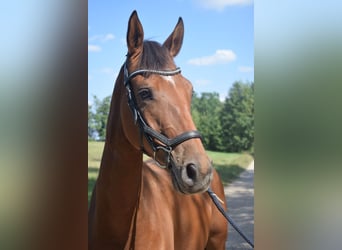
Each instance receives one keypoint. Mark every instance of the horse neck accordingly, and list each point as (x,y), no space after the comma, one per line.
(119,178)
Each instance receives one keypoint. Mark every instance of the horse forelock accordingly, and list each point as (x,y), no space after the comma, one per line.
(155,57)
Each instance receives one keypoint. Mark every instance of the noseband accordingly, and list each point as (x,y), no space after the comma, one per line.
(150,134)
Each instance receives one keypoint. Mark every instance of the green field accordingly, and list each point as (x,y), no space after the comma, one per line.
(229,165)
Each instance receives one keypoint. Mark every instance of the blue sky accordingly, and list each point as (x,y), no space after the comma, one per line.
(218,45)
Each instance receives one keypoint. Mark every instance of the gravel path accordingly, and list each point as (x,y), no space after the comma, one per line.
(240,200)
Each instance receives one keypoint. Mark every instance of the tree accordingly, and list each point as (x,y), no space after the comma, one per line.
(100,117)
(206,110)
(91,124)
(237,118)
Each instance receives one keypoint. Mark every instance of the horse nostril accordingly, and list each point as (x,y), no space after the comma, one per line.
(191,171)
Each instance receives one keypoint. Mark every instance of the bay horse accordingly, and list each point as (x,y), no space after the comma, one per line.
(160,203)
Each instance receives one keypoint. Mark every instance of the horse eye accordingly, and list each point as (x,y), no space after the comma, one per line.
(145,94)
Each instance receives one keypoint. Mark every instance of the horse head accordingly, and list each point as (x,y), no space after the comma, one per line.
(159,98)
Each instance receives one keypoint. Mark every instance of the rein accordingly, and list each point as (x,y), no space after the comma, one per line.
(213,196)
(151,135)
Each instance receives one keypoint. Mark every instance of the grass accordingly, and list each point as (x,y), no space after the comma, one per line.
(228,165)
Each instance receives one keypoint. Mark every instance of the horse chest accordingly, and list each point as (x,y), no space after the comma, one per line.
(167,219)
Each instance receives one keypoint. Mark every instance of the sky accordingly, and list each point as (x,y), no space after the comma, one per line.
(218,45)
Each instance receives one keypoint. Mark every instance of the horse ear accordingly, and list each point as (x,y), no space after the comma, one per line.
(135,34)
(175,40)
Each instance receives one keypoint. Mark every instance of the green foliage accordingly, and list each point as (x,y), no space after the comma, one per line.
(91,123)
(97,120)
(237,118)
(206,115)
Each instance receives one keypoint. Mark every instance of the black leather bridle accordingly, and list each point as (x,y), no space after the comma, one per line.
(153,137)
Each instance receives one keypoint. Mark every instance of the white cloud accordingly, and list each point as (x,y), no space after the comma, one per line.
(98,38)
(108,37)
(102,38)
(219,5)
(93,48)
(220,56)
(245,69)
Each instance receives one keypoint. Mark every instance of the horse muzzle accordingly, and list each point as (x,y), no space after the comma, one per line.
(189,179)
